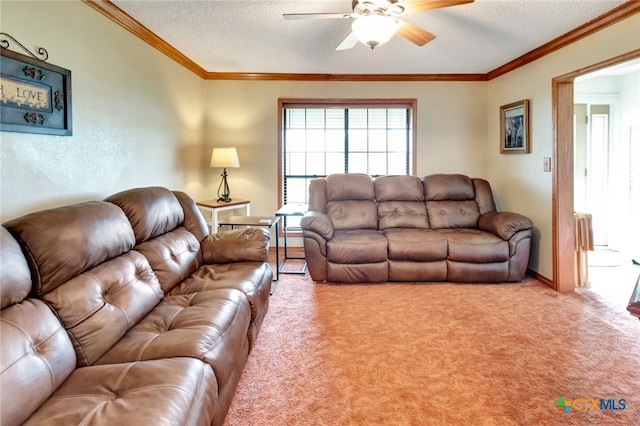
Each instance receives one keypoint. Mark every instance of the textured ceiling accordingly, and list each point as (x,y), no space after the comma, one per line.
(247,36)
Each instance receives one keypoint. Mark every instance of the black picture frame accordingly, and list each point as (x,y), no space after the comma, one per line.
(35,96)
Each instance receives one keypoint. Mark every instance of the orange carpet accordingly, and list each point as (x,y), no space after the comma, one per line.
(439,354)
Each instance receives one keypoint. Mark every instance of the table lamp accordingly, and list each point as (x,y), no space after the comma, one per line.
(224,156)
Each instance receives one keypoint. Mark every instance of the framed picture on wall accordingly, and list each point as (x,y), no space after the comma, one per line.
(35,96)
(514,128)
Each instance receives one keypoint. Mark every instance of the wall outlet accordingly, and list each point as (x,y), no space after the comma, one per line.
(547,164)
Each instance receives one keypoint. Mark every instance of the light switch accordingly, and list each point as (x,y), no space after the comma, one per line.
(547,164)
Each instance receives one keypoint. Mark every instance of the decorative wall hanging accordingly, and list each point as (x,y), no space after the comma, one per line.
(35,97)
(514,128)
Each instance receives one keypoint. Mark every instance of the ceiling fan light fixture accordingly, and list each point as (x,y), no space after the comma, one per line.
(374,30)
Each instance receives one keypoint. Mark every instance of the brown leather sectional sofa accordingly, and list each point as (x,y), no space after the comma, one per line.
(126,311)
(406,228)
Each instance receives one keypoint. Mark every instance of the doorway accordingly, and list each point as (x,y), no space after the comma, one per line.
(563,236)
(606,167)
(594,190)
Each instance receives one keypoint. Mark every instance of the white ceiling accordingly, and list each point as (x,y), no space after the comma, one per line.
(251,36)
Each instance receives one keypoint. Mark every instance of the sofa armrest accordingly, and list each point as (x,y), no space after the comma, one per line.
(504,224)
(319,223)
(237,245)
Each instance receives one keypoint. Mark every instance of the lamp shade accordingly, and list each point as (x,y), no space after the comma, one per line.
(224,157)
(374,30)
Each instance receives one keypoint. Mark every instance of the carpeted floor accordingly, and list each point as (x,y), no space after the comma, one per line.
(438,354)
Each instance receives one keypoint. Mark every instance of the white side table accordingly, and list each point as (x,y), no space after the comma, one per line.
(215,207)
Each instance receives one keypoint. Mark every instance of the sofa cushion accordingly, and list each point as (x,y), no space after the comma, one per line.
(450,201)
(252,278)
(402,214)
(452,214)
(37,356)
(173,256)
(99,306)
(173,391)
(64,242)
(418,245)
(475,246)
(209,325)
(152,211)
(249,277)
(353,214)
(158,220)
(398,188)
(400,202)
(349,186)
(450,187)
(357,246)
(350,201)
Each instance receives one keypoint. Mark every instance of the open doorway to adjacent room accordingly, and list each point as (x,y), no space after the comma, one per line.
(607,176)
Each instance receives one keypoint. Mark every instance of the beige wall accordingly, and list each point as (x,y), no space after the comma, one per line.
(140,119)
(519,180)
(137,115)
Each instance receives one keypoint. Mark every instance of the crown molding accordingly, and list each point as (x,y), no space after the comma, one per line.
(613,16)
(121,18)
(117,15)
(343,77)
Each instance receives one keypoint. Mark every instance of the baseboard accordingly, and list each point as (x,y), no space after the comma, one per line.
(544,280)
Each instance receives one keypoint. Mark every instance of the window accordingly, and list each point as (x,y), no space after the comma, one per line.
(318,138)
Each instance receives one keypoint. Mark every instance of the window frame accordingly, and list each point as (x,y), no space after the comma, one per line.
(283,103)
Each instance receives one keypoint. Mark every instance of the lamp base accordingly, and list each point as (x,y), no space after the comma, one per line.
(225,196)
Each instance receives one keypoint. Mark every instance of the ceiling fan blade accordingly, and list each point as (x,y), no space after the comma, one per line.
(296,16)
(414,34)
(349,41)
(415,6)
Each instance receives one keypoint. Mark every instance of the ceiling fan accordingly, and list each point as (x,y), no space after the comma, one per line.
(376,21)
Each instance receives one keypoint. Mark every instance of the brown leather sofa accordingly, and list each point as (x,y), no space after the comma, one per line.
(634,301)
(405,228)
(126,311)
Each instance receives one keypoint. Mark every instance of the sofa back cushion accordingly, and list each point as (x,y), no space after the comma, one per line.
(450,201)
(158,221)
(100,305)
(400,202)
(351,201)
(36,353)
(64,242)
(81,260)
(152,211)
